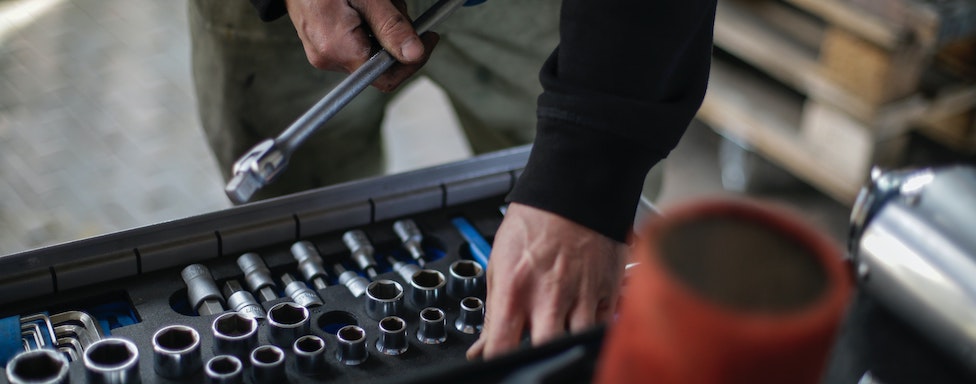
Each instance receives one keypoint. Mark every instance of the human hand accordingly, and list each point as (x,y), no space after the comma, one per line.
(334,35)
(547,275)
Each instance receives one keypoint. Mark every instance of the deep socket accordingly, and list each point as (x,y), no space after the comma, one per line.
(176,352)
(383,298)
(352,345)
(310,264)
(472,317)
(268,364)
(402,268)
(361,251)
(38,366)
(257,276)
(112,361)
(242,301)
(286,323)
(411,238)
(427,288)
(433,326)
(466,278)
(234,334)
(309,354)
(393,336)
(224,369)
(201,290)
(300,293)
(354,283)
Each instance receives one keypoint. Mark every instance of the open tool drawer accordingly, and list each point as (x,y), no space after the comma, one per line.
(129,283)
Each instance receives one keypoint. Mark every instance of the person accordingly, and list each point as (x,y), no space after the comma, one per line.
(619,82)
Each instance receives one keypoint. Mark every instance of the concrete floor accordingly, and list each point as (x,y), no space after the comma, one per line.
(98,127)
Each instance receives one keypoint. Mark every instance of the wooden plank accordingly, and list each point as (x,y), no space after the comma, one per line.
(859,22)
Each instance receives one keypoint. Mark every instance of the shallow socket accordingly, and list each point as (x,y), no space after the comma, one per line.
(433,325)
(309,352)
(427,287)
(234,334)
(383,298)
(224,369)
(472,317)
(176,351)
(268,364)
(393,336)
(287,322)
(466,279)
(112,360)
(352,345)
(38,366)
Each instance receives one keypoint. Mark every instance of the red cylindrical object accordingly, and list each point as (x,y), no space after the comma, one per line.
(728,291)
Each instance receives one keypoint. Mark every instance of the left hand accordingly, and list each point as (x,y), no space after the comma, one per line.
(547,275)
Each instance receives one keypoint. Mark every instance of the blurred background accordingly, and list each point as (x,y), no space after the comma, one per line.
(99,130)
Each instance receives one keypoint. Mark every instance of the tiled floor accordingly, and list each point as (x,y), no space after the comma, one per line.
(98,128)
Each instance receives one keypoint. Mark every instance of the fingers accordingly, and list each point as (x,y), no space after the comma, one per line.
(392,29)
(399,72)
(501,333)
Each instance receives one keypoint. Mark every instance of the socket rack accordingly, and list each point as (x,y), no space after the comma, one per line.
(130,282)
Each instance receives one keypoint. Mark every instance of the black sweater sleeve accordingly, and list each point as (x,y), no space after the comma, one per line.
(618,94)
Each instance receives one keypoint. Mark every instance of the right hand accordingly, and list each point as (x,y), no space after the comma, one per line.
(334,34)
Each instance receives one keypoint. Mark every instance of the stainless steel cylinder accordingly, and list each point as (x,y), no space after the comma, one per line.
(352,345)
(465,278)
(361,251)
(433,326)
(300,293)
(411,238)
(309,354)
(354,283)
(472,317)
(176,351)
(224,369)
(383,298)
(268,364)
(257,276)
(234,334)
(201,290)
(393,336)
(310,264)
(39,366)
(112,361)
(427,288)
(242,301)
(404,269)
(286,323)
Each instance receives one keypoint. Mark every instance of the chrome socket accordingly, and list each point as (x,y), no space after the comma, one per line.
(112,361)
(309,354)
(411,238)
(176,352)
(427,288)
(299,292)
(257,276)
(352,345)
(234,334)
(286,323)
(383,298)
(242,301)
(310,264)
(361,251)
(472,317)
(404,269)
(38,366)
(466,278)
(201,290)
(224,369)
(354,283)
(433,326)
(393,336)
(268,364)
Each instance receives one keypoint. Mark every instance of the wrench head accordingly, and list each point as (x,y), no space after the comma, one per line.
(259,167)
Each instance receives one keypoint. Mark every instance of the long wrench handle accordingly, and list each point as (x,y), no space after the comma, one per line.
(326,108)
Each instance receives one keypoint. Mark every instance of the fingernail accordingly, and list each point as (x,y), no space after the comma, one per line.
(412,49)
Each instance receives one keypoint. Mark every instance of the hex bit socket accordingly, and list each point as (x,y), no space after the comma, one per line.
(201,290)
(361,251)
(310,264)
(234,334)
(38,366)
(242,301)
(433,326)
(257,276)
(286,323)
(176,352)
(393,336)
(383,298)
(352,345)
(268,364)
(224,369)
(300,293)
(427,288)
(411,238)
(354,283)
(112,361)
(472,317)
(465,278)
(402,268)
(309,353)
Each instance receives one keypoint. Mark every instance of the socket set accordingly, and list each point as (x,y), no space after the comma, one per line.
(361,282)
